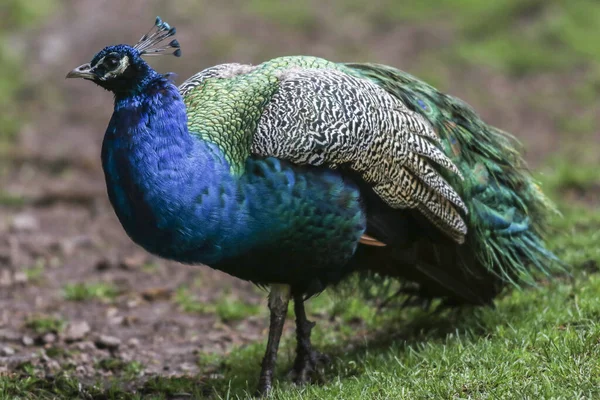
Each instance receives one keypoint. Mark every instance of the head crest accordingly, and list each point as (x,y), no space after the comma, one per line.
(159,32)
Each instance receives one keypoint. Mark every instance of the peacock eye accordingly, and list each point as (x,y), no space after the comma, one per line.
(111,62)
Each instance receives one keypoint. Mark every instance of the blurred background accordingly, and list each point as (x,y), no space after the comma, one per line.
(69,276)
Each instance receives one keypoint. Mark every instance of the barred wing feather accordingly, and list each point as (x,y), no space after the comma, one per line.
(327,117)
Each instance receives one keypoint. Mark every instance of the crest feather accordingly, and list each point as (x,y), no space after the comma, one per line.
(157,34)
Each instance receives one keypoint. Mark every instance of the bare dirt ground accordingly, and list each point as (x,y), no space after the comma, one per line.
(61,230)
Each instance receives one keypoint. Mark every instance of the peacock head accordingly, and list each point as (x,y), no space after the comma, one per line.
(121,68)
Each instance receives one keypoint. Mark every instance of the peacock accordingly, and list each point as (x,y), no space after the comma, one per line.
(299,172)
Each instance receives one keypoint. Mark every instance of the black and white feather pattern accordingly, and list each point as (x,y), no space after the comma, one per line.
(327,117)
(218,71)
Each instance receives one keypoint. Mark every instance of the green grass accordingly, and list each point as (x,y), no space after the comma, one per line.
(41,324)
(35,273)
(23,15)
(58,351)
(227,307)
(130,369)
(88,291)
(9,199)
(151,267)
(567,175)
(231,309)
(290,14)
(514,36)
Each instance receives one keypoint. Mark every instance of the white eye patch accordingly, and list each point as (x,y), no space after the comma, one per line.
(123,64)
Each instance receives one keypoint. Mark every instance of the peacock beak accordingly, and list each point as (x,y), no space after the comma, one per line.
(83,71)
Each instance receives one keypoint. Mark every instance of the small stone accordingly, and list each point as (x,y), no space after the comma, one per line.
(159,293)
(112,312)
(20,277)
(215,336)
(6,351)
(27,340)
(107,342)
(117,320)
(85,346)
(55,262)
(125,357)
(187,367)
(49,338)
(84,358)
(52,365)
(76,331)
(6,277)
(25,223)
(9,336)
(133,261)
(132,303)
(129,320)
(69,245)
(133,342)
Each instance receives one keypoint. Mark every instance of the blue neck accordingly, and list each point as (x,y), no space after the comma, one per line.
(152,120)
(160,179)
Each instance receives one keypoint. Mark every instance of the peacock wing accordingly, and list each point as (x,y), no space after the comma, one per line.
(325,116)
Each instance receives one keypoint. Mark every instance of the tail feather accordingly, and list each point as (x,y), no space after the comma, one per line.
(506,209)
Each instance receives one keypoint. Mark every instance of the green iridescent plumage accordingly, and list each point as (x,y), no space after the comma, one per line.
(507,209)
(226,108)
(230,105)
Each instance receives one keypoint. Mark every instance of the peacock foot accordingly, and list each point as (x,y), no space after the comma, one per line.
(263,389)
(308,368)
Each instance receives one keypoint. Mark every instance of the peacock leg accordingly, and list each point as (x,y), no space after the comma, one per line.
(279,298)
(307,360)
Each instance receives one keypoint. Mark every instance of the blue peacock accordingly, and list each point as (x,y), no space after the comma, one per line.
(298,172)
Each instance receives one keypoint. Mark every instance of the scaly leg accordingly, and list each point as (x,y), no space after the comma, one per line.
(279,298)
(307,360)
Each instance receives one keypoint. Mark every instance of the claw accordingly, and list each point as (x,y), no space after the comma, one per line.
(309,368)
(263,390)
(308,364)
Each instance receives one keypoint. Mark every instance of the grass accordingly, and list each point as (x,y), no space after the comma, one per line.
(41,324)
(57,351)
(35,273)
(88,291)
(227,307)
(130,369)
(515,36)
(290,14)
(150,267)
(9,199)
(23,15)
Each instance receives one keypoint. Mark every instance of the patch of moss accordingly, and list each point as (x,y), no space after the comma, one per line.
(42,324)
(88,291)
(227,307)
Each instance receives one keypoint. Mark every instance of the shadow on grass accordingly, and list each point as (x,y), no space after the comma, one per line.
(238,373)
